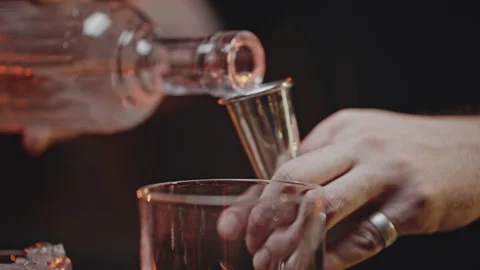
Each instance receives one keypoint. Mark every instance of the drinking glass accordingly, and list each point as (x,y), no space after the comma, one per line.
(231,224)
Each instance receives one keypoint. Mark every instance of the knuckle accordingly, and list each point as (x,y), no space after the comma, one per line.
(339,119)
(421,212)
(400,162)
(370,140)
(367,238)
(345,114)
(422,199)
(390,169)
(333,205)
(373,139)
(258,218)
(283,173)
(289,172)
(330,127)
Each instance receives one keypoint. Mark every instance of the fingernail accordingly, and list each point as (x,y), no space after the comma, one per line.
(229,226)
(261,260)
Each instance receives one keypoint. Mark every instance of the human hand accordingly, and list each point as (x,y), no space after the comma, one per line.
(421,172)
(283,224)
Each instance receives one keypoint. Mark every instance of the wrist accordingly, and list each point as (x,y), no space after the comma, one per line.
(456,127)
(465,128)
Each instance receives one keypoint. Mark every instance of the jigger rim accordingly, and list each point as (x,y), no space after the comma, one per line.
(261,90)
(149,195)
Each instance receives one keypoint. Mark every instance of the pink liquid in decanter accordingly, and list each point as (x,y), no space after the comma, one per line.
(74,67)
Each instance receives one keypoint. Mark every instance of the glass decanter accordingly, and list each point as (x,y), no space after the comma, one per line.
(70,67)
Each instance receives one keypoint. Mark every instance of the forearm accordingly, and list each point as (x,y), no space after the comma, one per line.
(463,126)
(468,120)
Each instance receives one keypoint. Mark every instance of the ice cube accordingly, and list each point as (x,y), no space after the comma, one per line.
(60,264)
(45,252)
(41,256)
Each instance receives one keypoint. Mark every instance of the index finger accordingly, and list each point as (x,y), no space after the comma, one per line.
(233,221)
(325,131)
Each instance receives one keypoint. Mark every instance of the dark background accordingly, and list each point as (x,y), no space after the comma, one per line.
(410,56)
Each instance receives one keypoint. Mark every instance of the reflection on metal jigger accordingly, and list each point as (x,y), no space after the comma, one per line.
(47,2)
(267,126)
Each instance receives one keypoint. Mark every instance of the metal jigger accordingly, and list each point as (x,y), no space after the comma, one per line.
(266,124)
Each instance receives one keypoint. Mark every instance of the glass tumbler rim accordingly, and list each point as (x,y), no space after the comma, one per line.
(146,193)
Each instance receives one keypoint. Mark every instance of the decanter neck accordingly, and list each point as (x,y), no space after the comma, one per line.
(222,65)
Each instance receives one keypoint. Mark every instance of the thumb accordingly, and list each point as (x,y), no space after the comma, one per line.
(38,139)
